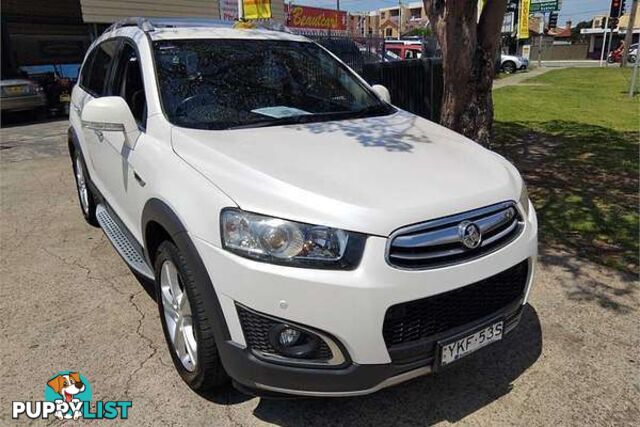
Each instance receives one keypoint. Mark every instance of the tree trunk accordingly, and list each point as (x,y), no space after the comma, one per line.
(469,54)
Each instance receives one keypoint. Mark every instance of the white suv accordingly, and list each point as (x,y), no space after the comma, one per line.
(304,236)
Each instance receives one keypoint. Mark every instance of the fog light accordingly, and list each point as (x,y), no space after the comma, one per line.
(288,337)
(292,342)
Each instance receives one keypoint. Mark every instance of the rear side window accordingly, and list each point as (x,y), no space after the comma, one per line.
(96,72)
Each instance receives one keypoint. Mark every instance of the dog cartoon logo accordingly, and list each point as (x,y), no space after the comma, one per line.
(67,396)
(70,388)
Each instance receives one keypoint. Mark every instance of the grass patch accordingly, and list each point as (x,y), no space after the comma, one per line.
(575,138)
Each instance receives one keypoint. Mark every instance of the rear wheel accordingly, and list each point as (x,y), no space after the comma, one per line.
(509,67)
(187,329)
(85,196)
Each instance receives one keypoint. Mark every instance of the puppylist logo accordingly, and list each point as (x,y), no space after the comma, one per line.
(67,396)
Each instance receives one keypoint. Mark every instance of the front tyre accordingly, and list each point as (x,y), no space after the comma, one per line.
(85,196)
(509,67)
(187,329)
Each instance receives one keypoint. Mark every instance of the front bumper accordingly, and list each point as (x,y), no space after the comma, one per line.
(260,377)
(348,305)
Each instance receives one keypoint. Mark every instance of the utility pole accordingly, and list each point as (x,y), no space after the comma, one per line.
(628,38)
(399,19)
(516,18)
(606,64)
(541,28)
(634,79)
(338,5)
(604,40)
(611,35)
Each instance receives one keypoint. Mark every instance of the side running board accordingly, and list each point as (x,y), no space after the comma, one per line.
(128,250)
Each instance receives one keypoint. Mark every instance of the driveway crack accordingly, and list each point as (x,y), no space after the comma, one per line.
(153,349)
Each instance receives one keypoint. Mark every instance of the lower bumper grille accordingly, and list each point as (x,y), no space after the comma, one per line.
(256,333)
(421,320)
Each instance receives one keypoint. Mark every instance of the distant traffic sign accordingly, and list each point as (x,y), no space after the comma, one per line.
(545,6)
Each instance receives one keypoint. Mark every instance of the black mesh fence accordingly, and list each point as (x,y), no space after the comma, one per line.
(415,85)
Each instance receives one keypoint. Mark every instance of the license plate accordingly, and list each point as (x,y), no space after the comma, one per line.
(454,350)
(65,98)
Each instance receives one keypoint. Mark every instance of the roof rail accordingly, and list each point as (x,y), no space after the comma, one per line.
(149,24)
(143,23)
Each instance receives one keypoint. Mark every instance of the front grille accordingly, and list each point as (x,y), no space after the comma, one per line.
(422,319)
(438,242)
(256,333)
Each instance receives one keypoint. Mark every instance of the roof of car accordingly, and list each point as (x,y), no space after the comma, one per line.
(199,28)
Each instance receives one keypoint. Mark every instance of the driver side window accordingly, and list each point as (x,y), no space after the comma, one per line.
(128,83)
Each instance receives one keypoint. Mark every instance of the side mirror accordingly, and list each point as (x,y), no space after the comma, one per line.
(111,114)
(382,92)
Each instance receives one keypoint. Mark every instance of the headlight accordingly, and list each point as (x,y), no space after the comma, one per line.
(524,199)
(291,243)
(35,89)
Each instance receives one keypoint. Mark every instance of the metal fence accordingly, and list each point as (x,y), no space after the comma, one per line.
(415,85)
(353,51)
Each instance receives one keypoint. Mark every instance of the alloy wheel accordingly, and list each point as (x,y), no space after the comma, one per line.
(177,315)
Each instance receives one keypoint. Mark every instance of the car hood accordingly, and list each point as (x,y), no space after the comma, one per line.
(369,175)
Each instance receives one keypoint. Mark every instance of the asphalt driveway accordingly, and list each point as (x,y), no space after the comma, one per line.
(69,302)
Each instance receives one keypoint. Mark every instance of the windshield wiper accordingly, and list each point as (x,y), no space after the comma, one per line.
(280,121)
(372,110)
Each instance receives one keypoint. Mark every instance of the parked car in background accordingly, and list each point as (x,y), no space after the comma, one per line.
(57,81)
(377,56)
(509,64)
(20,94)
(405,49)
(633,53)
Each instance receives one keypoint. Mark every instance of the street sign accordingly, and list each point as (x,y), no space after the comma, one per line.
(553,20)
(523,20)
(508,23)
(545,5)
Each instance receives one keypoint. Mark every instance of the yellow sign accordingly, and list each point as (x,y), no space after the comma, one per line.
(256,9)
(523,19)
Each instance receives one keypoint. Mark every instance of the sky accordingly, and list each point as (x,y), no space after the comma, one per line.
(574,10)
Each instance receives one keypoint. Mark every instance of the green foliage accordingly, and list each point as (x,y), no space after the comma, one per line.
(574,135)
(419,32)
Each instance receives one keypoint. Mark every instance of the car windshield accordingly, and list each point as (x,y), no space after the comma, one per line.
(224,83)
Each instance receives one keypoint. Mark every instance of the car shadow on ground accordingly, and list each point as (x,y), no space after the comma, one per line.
(450,395)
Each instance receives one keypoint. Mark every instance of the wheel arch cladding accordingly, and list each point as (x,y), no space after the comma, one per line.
(72,141)
(159,222)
